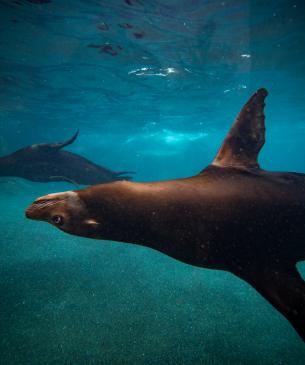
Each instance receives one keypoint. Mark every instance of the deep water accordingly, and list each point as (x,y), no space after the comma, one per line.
(153,87)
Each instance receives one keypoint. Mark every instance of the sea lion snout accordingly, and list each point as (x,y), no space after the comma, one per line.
(31,212)
(66,211)
(51,205)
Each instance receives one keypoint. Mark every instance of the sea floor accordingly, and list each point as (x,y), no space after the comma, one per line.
(70,300)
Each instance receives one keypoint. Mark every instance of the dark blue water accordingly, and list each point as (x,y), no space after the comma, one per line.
(153,87)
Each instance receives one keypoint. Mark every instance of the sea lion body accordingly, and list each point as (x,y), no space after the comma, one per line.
(232,216)
(206,216)
(47,162)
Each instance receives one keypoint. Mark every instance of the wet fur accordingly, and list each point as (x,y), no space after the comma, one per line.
(232,216)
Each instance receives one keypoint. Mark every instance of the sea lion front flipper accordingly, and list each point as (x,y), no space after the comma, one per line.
(55,179)
(284,288)
(246,137)
(52,147)
(66,143)
(63,178)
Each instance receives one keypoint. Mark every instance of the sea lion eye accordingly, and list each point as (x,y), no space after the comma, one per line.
(58,220)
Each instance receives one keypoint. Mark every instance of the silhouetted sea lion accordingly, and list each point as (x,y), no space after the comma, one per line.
(232,216)
(47,162)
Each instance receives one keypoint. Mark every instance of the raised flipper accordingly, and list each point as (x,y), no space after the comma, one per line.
(284,288)
(54,146)
(245,139)
(66,143)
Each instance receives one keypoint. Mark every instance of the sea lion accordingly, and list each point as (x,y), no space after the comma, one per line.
(232,216)
(47,162)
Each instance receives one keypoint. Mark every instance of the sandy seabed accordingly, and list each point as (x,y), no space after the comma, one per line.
(71,300)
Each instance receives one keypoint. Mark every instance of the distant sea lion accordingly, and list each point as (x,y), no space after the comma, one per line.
(47,162)
(232,216)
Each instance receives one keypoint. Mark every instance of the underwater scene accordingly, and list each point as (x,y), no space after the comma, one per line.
(198,268)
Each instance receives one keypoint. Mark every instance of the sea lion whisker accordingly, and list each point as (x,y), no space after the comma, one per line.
(49,203)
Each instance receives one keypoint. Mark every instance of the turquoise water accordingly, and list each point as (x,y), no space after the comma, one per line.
(153,87)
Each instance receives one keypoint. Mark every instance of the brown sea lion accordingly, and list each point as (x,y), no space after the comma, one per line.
(232,216)
(47,162)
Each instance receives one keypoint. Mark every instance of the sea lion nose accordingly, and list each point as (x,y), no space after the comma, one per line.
(31,212)
(34,211)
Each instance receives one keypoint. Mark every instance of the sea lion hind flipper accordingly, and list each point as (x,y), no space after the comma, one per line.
(125,172)
(121,175)
(284,288)
(245,139)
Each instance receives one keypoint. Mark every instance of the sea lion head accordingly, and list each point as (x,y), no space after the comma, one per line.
(66,211)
